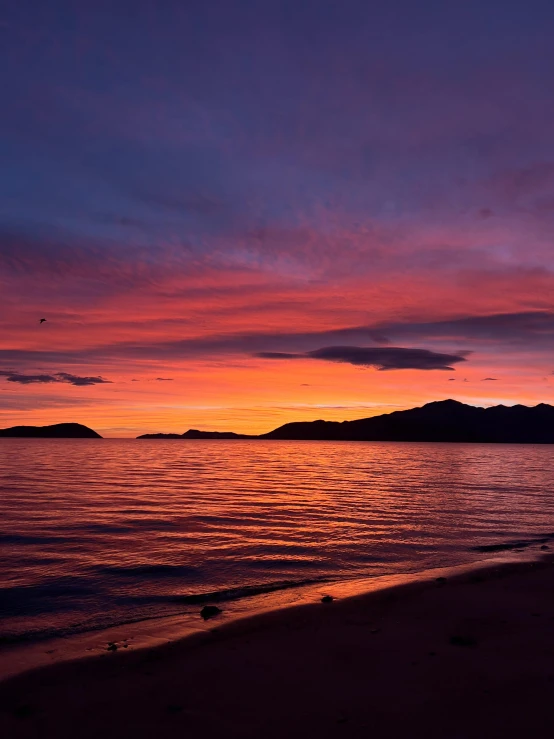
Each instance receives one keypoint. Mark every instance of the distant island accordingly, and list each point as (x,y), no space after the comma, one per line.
(195,434)
(57,431)
(446,420)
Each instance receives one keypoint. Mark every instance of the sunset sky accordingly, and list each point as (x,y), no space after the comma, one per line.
(239,213)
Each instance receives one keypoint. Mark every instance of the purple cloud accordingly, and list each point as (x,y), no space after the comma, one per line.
(382,358)
(64,377)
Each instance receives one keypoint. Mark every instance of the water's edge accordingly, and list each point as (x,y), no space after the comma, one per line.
(153,632)
(125,543)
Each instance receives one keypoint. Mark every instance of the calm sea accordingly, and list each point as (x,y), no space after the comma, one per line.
(95,533)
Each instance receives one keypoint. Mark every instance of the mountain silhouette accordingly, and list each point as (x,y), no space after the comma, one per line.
(195,434)
(57,431)
(445,420)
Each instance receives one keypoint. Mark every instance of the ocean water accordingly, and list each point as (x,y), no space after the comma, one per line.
(95,533)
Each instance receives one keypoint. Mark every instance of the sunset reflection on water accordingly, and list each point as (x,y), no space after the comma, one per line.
(94,532)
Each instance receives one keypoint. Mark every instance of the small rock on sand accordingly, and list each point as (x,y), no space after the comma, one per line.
(209,612)
(327,599)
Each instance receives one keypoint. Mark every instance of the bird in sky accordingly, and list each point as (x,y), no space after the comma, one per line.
(42,320)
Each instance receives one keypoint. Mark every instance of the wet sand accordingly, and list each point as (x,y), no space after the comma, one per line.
(471,656)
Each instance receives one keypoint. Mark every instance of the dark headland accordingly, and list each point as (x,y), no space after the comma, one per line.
(445,420)
(195,434)
(57,431)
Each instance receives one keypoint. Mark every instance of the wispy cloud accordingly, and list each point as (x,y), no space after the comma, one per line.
(520,332)
(530,327)
(64,377)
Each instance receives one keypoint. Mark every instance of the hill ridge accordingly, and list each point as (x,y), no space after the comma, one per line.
(446,420)
(54,431)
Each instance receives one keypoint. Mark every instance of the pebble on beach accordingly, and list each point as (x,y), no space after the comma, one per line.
(209,612)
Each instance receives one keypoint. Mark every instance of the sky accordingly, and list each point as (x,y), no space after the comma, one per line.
(238,214)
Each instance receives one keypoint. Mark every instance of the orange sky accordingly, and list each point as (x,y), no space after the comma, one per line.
(211,380)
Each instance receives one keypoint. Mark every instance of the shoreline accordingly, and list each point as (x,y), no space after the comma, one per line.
(469,655)
(146,634)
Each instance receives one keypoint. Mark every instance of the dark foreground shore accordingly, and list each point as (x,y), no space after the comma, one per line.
(472,656)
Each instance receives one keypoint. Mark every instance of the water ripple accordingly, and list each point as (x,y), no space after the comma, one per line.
(97,533)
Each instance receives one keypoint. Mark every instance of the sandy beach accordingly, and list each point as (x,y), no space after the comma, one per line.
(468,656)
